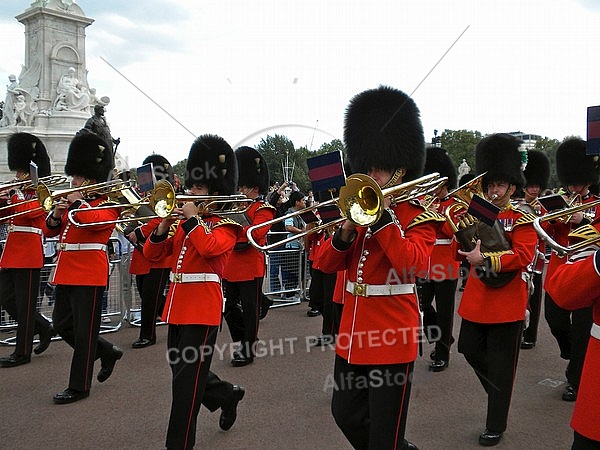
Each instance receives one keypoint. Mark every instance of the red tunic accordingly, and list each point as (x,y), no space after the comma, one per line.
(247,263)
(383,329)
(483,304)
(574,286)
(198,246)
(139,264)
(24,249)
(442,264)
(83,267)
(340,287)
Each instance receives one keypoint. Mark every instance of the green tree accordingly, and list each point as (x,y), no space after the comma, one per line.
(460,144)
(285,162)
(179,169)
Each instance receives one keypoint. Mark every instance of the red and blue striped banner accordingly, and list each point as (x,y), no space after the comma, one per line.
(326,171)
(483,210)
(593,131)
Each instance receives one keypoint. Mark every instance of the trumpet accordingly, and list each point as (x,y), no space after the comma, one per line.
(162,201)
(50,180)
(361,202)
(462,196)
(582,232)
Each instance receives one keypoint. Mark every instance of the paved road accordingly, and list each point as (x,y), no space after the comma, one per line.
(287,404)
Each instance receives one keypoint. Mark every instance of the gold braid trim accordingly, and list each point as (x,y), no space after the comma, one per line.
(398,173)
(265,205)
(226,221)
(525,219)
(110,202)
(426,216)
(173,229)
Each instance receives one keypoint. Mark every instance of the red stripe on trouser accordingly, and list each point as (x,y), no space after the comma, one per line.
(190,418)
(401,408)
(29,318)
(89,363)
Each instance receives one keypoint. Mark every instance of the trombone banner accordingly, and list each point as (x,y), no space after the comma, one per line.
(326,172)
(593,131)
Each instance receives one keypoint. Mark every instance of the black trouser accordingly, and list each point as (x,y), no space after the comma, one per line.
(492,350)
(535,308)
(370,403)
(151,287)
(243,324)
(572,332)
(190,349)
(18,296)
(217,392)
(76,318)
(442,318)
(321,290)
(581,442)
(336,317)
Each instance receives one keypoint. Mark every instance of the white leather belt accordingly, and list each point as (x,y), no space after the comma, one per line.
(443,241)
(21,229)
(595,331)
(194,277)
(368,290)
(61,246)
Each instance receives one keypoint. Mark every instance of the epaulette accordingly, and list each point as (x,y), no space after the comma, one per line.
(110,202)
(522,207)
(426,216)
(266,205)
(173,228)
(525,219)
(226,221)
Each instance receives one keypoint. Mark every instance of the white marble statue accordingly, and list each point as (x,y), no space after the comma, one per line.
(71,94)
(463,169)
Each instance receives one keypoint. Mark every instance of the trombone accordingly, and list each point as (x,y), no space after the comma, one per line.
(360,201)
(51,180)
(582,232)
(163,201)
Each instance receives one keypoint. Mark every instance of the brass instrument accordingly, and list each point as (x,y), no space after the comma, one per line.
(361,202)
(161,203)
(580,232)
(51,180)
(462,196)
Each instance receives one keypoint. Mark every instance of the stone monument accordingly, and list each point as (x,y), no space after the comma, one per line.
(52,97)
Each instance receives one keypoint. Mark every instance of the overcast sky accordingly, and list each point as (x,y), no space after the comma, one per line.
(235,68)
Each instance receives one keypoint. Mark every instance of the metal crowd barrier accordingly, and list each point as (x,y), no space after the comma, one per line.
(113,311)
(287,277)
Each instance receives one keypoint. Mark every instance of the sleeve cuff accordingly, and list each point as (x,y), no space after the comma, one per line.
(156,238)
(385,219)
(339,244)
(139,235)
(190,224)
(75,205)
(53,223)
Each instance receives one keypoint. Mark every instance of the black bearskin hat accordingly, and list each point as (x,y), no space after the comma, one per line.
(383,130)
(212,162)
(499,156)
(438,160)
(24,148)
(252,169)
(573,166)
(537,170)
(163,170)
(89,157)
(466,178)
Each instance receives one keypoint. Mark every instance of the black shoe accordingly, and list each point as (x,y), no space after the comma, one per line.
(14,360)
(69,396)
(570,393)
(438,365)
(141,343)
(229,412)
(433,355)
(241,360)
(45,340)
(489,438)
(526,345)
(108,364)
(313,312)
(322,341)
(409,446)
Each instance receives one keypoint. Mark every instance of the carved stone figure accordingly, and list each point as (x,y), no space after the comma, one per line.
(70,93)
(463,169)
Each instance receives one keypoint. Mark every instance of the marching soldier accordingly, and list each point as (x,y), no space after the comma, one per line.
(495,299)
(198,250)
(23,256)
(442,268)
(568,291)
(577,171)
(384,138)
(150,276)
(82,266)
(244,274)
(537,174)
